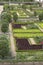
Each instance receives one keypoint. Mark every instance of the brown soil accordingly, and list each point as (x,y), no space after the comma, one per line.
(23,44)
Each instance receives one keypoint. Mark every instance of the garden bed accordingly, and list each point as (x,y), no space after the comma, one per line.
(23,44)
(26,31)
(27,35)
(30,55)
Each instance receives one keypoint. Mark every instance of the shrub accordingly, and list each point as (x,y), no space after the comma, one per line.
(6,7)
(4,27)
(41,16)
(15,16)
(6,16)
(4,47)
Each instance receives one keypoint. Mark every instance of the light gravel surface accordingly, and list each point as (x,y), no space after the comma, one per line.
(12,45)
(32,41)
(1,9)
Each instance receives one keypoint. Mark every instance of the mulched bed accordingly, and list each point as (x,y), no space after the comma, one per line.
(23,44)
(17,25)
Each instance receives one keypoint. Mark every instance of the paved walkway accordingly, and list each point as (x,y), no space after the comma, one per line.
(12,41)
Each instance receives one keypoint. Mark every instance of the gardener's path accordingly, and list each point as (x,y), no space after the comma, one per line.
(12,41)
(32,41)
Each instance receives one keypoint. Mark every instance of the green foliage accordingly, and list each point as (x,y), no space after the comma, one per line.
(15,16)
(25,30)
(33,55)
(24,6)
(4,27)
(6,7)
(38,39)
(6,16)
(30,7)
(41,16)
(28,35)
(35,13)
(4,47)
(19,0)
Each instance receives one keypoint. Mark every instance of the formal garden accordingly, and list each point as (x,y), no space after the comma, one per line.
(26,21)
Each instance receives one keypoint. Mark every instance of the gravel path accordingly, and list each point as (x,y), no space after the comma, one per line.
(18,14)
(32,41)
(39,27)
(1,9)
(29,11)
(12,41)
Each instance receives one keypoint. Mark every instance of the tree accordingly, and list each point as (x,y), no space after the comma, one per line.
(4,47)
(7,16)
(15,16)
(4,27)
(41,16)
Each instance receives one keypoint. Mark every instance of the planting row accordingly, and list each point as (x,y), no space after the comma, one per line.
(27,35)
(26,30)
